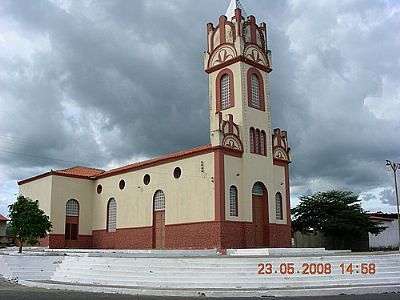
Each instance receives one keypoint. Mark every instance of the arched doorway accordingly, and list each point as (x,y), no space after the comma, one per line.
(159,220)
(71,223)
(260,214)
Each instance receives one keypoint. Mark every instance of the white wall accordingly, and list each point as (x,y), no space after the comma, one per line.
(389,238)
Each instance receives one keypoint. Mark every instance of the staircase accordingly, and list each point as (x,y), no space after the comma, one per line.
(217,276)
(28,267)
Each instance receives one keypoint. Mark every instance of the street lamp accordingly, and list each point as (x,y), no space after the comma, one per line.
(394,168)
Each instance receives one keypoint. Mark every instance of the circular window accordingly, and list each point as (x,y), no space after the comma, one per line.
(121,184)
(177,172)
(146,179)
(99,189)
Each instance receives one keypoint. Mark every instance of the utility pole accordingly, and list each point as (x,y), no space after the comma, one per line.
(394,168)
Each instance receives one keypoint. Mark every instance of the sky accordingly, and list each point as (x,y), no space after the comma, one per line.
(110,82)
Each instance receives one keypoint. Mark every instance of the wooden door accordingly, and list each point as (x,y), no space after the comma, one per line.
(159,229)
(71,232)
(259,215)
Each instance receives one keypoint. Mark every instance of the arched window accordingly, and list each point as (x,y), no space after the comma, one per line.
(262,142)
(278,201)
(112,215)
(251,140)
(71,220)
(159,201)
(72,208)
(225,92)
(258,189)
(257,142)
(233,201)
(255,91)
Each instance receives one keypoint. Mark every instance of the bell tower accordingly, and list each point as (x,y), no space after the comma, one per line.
(237,62)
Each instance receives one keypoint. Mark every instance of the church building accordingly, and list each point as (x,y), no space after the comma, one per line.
(232,193)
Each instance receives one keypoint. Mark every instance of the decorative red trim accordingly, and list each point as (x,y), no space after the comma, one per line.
(280,162)
(224,45)
(222,29)
(235,60)
(231,89)
(253,28)
(228,151)
(257,73)
(219,184)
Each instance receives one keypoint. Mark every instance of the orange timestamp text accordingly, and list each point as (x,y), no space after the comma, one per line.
(316,268)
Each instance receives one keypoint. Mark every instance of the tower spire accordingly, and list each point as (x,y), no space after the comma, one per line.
(230,12)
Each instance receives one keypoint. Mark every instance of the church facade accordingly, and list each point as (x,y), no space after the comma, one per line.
(232,193)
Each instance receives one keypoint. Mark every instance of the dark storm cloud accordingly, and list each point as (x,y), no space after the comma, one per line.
(100,82)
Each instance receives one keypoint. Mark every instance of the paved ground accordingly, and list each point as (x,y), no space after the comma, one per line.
(9,290)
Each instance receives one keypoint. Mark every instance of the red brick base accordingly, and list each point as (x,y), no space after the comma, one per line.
(129,238)
(280,236)
(205,235)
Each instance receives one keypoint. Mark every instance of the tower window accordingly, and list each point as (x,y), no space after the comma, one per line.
(233,201)
(255,89)
(262,142)
(278,201)
(257,142)
(255,92)
(252,140)
(225,92)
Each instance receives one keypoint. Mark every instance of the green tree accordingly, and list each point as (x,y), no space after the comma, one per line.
(337,214)
(28,222)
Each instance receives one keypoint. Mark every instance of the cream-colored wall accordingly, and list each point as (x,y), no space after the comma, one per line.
(244,173)
(279,186)
(188,199)
(39,189)
(64,189)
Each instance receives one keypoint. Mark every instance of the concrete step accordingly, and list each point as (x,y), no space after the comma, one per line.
(243,284)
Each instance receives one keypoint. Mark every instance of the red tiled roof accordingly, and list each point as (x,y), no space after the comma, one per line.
(3,218)
(148,163)
(80,171)
(91,173)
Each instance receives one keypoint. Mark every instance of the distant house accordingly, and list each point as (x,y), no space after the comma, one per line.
(387,239)
(3,225)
